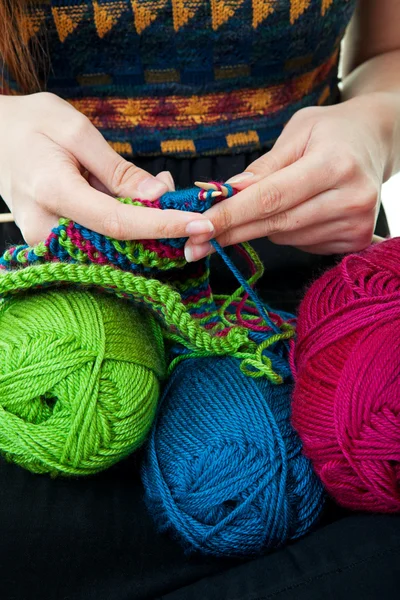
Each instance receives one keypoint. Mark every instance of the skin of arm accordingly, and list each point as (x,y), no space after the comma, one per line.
(371,65)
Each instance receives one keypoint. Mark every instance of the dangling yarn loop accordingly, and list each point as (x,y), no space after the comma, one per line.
(224,469)
(154,274)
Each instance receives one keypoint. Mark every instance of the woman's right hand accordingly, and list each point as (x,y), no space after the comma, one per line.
(54,163)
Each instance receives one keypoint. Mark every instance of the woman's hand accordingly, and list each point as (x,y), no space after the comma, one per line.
(55,163)
(318,189)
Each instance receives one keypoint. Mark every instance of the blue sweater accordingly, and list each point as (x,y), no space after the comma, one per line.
(191,77)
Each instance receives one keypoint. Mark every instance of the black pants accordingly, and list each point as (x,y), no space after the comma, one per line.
(92,538)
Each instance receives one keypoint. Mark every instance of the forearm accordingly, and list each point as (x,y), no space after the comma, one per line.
(375,80)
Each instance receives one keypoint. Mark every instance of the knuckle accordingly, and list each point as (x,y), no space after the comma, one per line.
(124,172)
(269,199)
(226,239)
(169,230)
(268,163)
(371,196)
(113,226)
(78,129)
(306,113)
(224,218)
(363,235)
(277,223)
(47,97)
(45,192)
(364,200)
(346,167)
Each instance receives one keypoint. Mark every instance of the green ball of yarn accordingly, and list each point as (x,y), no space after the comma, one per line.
(79,380)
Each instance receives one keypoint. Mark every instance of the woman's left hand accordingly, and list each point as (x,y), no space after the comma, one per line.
(318,189)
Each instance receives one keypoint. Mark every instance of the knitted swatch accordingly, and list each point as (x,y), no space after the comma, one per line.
(154,274)
(225,473)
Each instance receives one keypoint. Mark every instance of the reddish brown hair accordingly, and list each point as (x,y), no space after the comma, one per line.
(15,49)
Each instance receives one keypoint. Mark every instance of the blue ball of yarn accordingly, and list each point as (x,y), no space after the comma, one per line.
(224,470)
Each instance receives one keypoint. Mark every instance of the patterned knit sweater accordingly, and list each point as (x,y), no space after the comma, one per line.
(190,77)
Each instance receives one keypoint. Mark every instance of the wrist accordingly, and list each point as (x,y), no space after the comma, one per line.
(381,113)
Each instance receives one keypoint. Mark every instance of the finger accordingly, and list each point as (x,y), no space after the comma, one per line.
(322,213)
(269,163)
(195,252)
(283,190)
(271,200)
(97,185)
(323,233)
(377,239)
(334,247)
(35,225)
(75,199)
(312,222)
(288,148)
(166,177)
(259,169)
(120,177)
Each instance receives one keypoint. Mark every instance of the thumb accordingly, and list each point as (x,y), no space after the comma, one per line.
(166,177)
(119,176)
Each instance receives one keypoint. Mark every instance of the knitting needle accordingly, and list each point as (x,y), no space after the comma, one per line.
(204,185)
(6,218)
(377,239)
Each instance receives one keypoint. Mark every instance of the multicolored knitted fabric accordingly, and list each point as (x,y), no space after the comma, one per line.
(154,274)
(190,77)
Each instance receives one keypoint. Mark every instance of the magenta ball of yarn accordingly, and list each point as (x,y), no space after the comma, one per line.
(346,404)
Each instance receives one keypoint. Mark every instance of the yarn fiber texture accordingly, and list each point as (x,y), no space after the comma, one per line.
(346,404)
(232,73)
(225,472)
(79,380)
(152,274)
(224,469)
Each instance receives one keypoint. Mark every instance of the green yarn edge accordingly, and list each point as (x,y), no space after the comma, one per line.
(178,324)
(176,317)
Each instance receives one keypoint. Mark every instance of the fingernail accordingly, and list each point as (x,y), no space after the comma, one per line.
(151,189)
(188,254)
(197,251)
(241,177)
(199,226)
